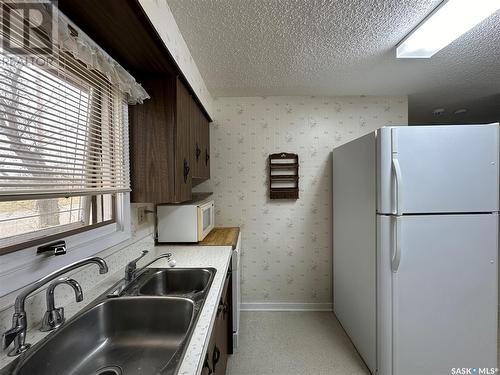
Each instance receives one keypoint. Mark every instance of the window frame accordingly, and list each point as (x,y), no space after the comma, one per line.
(22,267)
(97,97)
(44,236)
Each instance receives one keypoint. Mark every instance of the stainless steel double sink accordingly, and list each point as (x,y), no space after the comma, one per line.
(143,330)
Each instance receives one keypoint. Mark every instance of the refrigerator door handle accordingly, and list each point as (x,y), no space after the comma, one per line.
(396,254)
(398,179)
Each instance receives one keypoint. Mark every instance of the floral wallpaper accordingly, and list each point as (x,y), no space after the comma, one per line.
(163,20)
(286,244)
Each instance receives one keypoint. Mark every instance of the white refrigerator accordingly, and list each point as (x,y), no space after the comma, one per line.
(415,247)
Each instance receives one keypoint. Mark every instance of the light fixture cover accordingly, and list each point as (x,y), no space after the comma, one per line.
(445,24)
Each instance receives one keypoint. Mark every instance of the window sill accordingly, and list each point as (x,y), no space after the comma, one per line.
(23,267)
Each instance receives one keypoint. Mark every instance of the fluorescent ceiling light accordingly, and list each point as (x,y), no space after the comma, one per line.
(445,24)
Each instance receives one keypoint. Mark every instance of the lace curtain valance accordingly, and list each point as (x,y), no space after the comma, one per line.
(74,41)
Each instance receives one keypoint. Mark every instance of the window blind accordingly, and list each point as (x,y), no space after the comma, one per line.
(63,126)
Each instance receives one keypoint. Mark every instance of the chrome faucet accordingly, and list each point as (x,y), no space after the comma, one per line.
(131,272)
(17,333)
(131,268)
(135,272)
(54,317)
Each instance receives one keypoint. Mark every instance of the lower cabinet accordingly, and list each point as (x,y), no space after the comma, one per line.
(218,347)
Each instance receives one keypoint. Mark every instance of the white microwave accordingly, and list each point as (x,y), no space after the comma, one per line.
(189,222)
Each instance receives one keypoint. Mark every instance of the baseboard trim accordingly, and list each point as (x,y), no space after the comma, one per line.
(286,306)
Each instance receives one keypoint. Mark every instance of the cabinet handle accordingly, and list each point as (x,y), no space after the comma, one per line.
(198,151)
(207,157)
(215,357)
(186,170)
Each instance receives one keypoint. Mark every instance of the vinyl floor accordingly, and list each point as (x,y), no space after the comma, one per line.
(294,343)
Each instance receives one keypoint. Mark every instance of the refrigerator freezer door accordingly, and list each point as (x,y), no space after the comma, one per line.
(444,294)
(442,169)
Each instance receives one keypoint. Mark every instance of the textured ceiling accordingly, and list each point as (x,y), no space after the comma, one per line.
(344,47)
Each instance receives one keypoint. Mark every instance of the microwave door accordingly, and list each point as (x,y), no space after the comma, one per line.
(206,222)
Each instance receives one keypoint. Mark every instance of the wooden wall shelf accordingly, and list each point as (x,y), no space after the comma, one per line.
(283,176)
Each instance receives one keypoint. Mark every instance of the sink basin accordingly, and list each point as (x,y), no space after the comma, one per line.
(174,281)
(143,330)
(126,335)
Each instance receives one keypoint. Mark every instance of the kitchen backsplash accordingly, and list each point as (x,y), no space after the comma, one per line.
(287,245)
(116,257)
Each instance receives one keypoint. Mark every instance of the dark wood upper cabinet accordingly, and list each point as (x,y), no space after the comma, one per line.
(163,138)
(151,128)
(205,141)
(182,144)
(201,146)
(196,146)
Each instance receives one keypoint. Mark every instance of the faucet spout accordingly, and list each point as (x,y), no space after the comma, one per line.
(54,317)
(17,333)
(103,267)
(132,273)
(21,298)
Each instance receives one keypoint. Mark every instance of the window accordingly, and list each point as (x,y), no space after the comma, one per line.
(63,148)
(26,222)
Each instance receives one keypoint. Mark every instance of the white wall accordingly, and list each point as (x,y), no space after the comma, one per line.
(287,244)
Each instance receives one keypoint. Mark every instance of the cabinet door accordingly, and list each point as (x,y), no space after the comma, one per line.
(152,129)
(204,132)
(183,173)
(200,145)
(220,348)
(196,145)
(221,328)
(208,367)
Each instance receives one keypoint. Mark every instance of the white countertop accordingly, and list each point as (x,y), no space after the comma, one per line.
(217,257)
